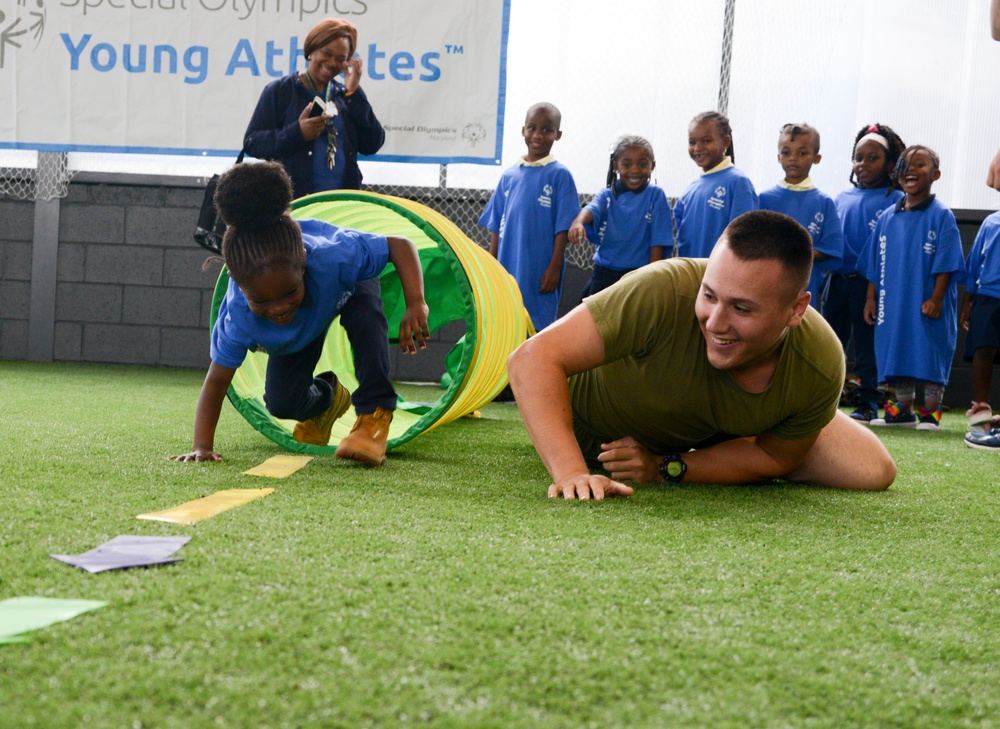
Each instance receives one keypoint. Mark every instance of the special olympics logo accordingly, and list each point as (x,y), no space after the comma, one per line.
(474,134)
(720,191)
(25,22)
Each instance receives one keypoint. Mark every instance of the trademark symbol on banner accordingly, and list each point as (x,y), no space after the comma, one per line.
(23,22)
(454,50)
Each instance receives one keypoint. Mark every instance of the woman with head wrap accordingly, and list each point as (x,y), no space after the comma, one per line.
(318,148)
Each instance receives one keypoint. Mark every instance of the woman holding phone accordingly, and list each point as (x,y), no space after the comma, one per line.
(318,143)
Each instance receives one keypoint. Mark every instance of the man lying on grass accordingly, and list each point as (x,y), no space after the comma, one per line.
(723,356)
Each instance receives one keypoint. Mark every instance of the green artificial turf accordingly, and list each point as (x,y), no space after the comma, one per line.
(446,590)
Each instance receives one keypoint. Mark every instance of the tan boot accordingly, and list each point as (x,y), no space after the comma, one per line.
(316,431)
(367,439)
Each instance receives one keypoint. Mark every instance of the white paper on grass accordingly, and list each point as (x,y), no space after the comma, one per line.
(126,551)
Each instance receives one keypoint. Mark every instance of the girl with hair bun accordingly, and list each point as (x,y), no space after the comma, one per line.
(288,281)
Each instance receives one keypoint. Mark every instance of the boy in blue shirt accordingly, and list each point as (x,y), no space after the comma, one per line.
(529,215)
(979,317)
(797,197)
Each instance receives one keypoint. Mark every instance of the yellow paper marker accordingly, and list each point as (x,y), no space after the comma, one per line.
(194,511)
(279,466)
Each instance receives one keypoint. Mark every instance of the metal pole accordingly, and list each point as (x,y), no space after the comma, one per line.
(44,257)
(727,56)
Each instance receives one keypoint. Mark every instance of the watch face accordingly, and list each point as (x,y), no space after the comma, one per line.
(675,468)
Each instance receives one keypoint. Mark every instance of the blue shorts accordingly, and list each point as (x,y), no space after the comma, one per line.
(984,322)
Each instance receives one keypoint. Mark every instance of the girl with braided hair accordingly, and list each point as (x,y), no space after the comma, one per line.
(630,220)
(288,281)
(874,188)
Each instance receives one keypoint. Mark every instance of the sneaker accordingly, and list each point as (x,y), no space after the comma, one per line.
(865,413)
(929,419)
(316,431)
(895,416)
(987,441)
(367,439)
(980,414)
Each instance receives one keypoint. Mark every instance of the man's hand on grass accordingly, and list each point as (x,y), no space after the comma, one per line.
(585,486)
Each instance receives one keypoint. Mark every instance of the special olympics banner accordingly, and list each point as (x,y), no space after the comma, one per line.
(183,76)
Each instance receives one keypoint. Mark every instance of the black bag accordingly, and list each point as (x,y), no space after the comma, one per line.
(208,232)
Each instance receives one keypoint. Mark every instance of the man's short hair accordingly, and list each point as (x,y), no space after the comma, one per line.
(765,235)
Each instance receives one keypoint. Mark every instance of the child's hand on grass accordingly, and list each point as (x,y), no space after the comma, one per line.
(198,455)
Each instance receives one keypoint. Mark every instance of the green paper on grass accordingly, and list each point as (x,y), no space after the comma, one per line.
(22,614)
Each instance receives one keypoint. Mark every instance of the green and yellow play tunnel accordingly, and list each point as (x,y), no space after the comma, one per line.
(462,282)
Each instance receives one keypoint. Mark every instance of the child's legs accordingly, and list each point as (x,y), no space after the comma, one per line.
(982,373)
(984,339)
(836,308)
(368,331)
(290,390)
(933,395)
(865,366)
(906,388)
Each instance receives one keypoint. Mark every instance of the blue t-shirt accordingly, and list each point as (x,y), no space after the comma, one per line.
(859,209)
(336,259)
(530,205)
(707,206)
(815,211)
(982,267)
(628,224)
(904,254)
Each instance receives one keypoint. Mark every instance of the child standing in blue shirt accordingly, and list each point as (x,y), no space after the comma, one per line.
(911,261)
(719,195)
(288,280)
(630,219)
(797,197)
(980,317)
(529,214)
(876,149)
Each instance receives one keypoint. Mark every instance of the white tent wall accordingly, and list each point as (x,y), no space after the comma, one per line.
(927,68)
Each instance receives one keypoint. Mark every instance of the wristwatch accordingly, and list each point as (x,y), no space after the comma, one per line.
(673,468)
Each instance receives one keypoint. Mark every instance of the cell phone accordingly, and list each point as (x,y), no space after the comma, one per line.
(317,108)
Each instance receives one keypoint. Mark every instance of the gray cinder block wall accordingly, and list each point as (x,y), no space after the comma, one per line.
(129,284)
(130,288)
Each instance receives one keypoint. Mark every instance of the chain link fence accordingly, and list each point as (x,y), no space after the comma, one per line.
(43,176)
(465,206)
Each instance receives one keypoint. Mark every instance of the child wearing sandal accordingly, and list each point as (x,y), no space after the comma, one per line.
(912,261)
(288,281)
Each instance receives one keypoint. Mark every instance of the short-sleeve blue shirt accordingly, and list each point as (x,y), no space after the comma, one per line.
(336,259)
(813,210)
(707,207)
(983,264)
(628,224)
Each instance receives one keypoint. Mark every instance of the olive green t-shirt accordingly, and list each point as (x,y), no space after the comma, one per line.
(658,386)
